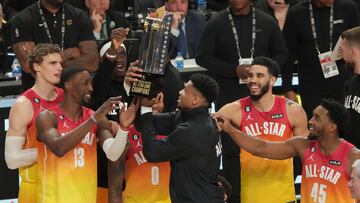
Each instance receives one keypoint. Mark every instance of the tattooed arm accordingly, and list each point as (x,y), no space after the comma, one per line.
(22,50)
(86,55)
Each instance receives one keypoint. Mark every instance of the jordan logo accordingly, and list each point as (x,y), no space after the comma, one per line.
(65,125)
(138,144)
(311,158)
(249,117)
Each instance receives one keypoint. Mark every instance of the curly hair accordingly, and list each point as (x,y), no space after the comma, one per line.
(40,51)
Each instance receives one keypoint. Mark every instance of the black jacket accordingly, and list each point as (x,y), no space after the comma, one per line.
(193,149)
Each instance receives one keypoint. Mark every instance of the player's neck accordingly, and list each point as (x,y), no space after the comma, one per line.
(71,109)
(45,90)
(265,103)
(328,144)
(357,68)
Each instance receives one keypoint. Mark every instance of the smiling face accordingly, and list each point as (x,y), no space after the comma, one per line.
(188,96)
(49,69)
(120,68)
(319,122)
(259,81)
(80,87)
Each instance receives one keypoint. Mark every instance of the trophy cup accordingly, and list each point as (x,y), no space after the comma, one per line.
(152,56)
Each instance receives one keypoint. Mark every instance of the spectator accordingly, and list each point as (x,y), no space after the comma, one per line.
(307,41)
(186,28)
(54,22)
(103,19)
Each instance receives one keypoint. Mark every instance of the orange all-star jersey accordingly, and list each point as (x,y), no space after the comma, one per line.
(73,177)
(325,178)
(265,180)
(29,175)
(145,182)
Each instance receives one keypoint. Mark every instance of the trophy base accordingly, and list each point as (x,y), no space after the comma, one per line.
(148,86)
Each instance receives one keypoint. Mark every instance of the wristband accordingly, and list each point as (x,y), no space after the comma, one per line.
(93,119)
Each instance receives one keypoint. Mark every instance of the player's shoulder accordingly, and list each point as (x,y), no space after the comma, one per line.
(231,107)
(22,102)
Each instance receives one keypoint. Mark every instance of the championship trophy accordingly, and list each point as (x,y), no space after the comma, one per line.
(152,56)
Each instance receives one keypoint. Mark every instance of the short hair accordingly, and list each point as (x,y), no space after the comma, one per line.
(271,65)
(40,51)
(68,74)
(206,85)
(352,36)
(356,167)
(337,114)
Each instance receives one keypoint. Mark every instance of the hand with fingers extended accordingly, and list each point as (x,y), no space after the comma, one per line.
(133,74)
(106,107)
(96,19)
(118,36)
(222,122)
(158,105)
(127,115)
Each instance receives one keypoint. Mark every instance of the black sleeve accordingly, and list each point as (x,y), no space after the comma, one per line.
(86,27)
(174,147)
(291,37)
(278,47)
(21,28)
(206,54)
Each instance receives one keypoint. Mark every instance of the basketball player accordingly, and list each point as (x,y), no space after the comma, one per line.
(68,132)
(154,183)
(20,144)
(326,158)
(267,117)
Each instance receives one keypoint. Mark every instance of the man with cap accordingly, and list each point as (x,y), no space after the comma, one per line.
(192,144)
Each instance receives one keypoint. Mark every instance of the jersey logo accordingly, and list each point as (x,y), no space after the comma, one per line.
(61,117)
(312,150)
(276,116)
(36,100)
(249,117)
(335,162)
(311,158)
(65,124)
(135,137)
(138,144)
(247,109)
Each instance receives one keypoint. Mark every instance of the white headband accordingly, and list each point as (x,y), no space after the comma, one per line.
(106,46)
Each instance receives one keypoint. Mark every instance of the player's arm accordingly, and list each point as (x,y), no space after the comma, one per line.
(116,177)
(88,58)
(297,118)
(20,116)
(46,126)
(258,147)
(22,50)
(114,146)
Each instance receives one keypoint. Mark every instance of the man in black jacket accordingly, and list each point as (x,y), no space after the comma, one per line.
(192,145)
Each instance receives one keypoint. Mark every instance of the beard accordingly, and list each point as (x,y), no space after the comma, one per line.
(350,66)
(56,3)
(263,91)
